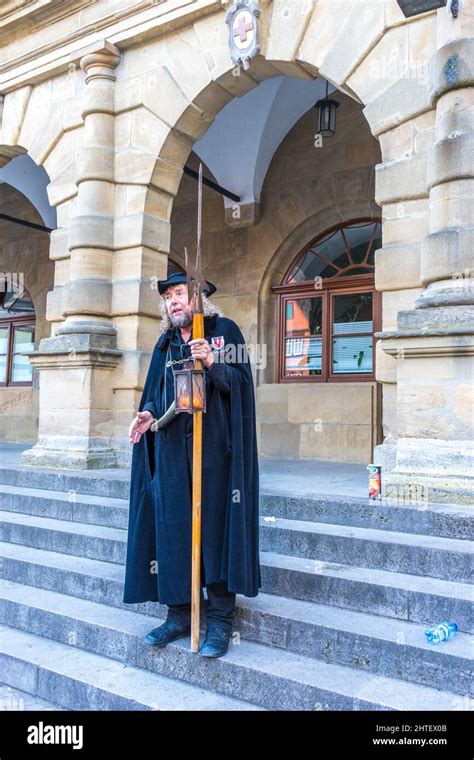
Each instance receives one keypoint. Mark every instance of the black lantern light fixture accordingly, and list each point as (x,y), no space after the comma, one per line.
(326,108)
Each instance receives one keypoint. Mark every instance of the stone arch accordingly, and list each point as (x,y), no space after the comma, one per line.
(19,249)
(194,73)
(32,242)
(41,121)
(44,122)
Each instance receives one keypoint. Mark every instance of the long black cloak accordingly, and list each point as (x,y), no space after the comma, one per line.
(158,563)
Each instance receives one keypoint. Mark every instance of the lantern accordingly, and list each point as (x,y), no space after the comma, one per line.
(190,390)
(326,108)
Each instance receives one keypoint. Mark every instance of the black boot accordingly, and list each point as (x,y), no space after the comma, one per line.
(169,631)
(216,642)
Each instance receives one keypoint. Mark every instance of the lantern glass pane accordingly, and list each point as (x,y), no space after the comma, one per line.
(182,394)
(198,390)
(325,117)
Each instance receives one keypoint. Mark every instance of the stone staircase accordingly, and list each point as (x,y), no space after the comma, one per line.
(348,589)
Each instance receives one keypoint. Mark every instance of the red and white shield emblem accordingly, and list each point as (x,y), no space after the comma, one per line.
(217,342)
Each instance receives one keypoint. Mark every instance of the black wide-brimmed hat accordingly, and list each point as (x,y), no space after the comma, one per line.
(180,277)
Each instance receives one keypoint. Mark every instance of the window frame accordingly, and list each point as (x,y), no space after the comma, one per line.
(11,323)
(330,287)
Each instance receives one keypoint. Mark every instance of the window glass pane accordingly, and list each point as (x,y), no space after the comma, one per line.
(23,305)
(358,237)
(17,302)
(302,337)
(306,317)
(352,354)
(23,340)
(3,339)
(317,261)
(353,313)
(3,353)
(303,356)
(376,244)
(22,371)
(329,257)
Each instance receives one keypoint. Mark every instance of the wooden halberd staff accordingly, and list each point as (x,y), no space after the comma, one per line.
(196,283)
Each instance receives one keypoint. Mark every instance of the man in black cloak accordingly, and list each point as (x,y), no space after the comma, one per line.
(158,563)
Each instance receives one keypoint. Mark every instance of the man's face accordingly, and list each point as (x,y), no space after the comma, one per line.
(179,309)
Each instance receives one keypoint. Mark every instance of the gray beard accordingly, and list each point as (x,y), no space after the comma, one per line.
(181,320)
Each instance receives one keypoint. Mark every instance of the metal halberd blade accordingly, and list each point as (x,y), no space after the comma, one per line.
(196,282)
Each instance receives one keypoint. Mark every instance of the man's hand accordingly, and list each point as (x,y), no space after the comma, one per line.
(200,349)
(140,425)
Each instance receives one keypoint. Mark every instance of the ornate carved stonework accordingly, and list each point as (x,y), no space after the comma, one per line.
(242,18)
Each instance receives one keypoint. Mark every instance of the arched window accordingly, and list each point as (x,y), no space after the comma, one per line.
(17,334)
(328,307)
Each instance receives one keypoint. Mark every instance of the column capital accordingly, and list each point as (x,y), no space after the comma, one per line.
(97,60)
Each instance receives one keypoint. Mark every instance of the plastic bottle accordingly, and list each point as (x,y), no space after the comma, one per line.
(441,632)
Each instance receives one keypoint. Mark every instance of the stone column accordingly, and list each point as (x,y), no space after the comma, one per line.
(434,342)
(76,365)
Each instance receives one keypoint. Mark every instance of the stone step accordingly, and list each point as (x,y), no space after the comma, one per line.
(16,700)
(74,507)
(383,645)
(112,483)
(381,592)
(433,556)
(267,676)
(49,670)
(445,558)
(451,521)
(93,541)
(392,595)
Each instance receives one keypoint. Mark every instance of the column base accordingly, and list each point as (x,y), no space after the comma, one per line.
(385,455)
(430,471)
(434,349)
(402,489)
(70,453)
(123,451)
(76,428)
